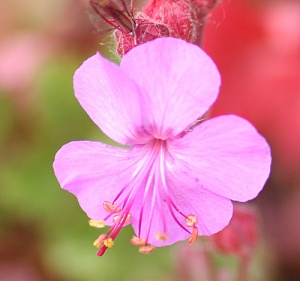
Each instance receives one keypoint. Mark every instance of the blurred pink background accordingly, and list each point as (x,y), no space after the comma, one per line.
(256,45)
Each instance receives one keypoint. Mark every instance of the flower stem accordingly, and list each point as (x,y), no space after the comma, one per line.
(243,270)
(211,268)
(200,32)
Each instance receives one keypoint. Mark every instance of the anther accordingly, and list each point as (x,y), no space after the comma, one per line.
(160,236)
(193,236)
(111,208)
(191,220)
(96,223)
(137,241)
(146,249)
(123,220)
(109,242)
(100,241)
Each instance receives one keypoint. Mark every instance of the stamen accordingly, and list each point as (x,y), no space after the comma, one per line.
(96,223)
(147,188)
(146,249)
(109,242)
(154,177)
(194,236)
(160,236)
(111,208)
(137,241)
(106,241)
(99,242)
(123,220)
(169,200)
(160,210)
(191,220)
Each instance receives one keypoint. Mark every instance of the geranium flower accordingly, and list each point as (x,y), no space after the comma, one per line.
(178,176)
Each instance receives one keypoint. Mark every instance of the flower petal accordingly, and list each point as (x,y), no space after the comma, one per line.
(94,173)
(212,211)
(110,98)
(180,80)
(226,155)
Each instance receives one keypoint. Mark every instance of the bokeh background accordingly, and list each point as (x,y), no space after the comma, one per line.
(44,235)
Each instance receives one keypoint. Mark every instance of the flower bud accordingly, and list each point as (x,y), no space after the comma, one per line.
(144,31)
(184,18)
(240,236)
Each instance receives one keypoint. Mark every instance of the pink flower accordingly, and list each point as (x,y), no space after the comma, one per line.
(177,178)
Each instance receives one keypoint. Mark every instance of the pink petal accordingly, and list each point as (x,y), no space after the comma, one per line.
(226,155)
(110,98)
(213,211)
(180,81)
(94,173)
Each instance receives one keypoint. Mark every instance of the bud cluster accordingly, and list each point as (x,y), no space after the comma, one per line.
(182,19)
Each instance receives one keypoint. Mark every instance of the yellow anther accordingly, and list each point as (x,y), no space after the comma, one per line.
(137,241)
(111,208)
(193,236)
(146,249)
(96,224)
(100,241)
(160,236)
(97,244)
(123,220)
(191,220)
(109,242)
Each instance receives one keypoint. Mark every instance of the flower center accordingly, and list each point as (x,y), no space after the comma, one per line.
(149,192)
